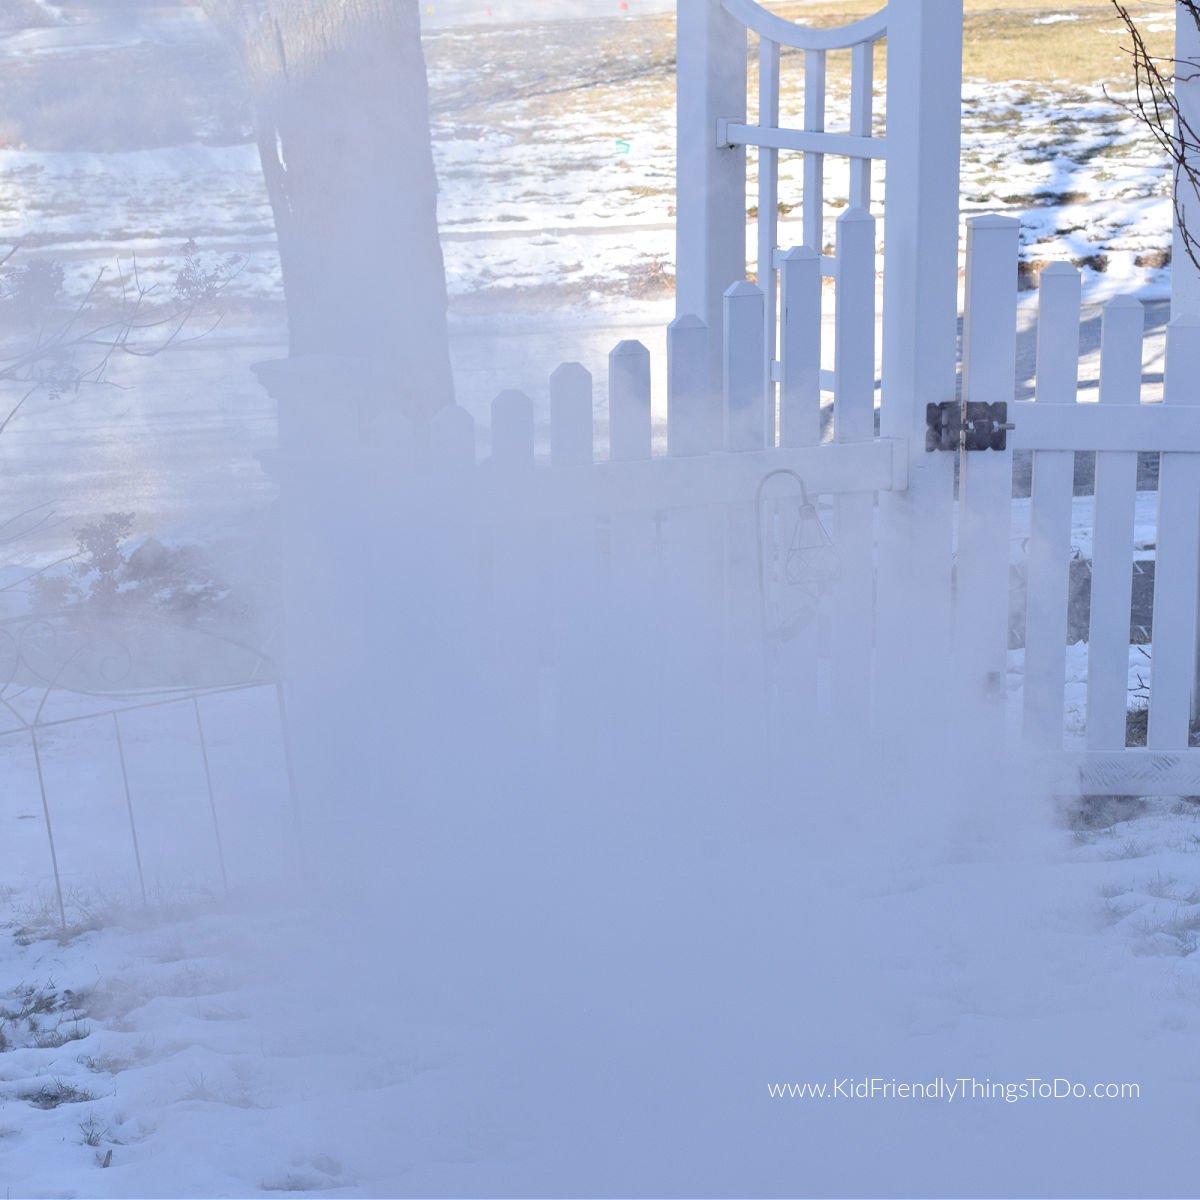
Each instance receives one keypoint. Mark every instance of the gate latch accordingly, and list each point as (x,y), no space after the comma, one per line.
(971,426)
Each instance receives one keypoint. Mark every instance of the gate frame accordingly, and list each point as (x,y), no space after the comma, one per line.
(920,291)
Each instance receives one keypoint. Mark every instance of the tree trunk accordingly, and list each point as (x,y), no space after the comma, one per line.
(343,132)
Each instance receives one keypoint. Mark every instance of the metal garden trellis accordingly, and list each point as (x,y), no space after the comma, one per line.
(83,665)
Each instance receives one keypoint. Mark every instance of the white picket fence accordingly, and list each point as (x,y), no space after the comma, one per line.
(676,540)
(561,585)
(1054,426)
(689,538)
(1116,429)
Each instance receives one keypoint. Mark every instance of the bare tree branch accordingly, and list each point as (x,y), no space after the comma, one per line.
(49,360)
(1156,105)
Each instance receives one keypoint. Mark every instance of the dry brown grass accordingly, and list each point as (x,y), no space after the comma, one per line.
(622,70)
(1003,42)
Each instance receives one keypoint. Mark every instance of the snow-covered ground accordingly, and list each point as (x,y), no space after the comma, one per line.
(608,1015)
(566,196)
(554,984)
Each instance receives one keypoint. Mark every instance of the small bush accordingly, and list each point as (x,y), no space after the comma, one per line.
(53,1095)
(31,289)
(92,1133)
(108,577)
(200,283)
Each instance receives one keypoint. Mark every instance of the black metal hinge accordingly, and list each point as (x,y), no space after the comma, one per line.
(971,426)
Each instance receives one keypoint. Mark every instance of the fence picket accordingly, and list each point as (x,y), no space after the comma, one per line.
(745,380)
(745,430)
(1177,555)
(1047,578)
(862,80)
(451,619)
(693,553)
(794,661)
(629,401)
(452,439)
(800,348)
(512,430)
(379,484)
(514,644)
(693,407)
(1112,543)
(768,211)
(633,567)
(854,401)
(854,512)
(985,479)
(574,571)
(571,432)
(814,163)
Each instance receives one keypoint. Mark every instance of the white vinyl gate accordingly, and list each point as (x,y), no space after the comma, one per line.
(973,564)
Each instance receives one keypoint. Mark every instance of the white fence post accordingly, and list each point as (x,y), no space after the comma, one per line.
(985,477)
(1177,565)
(711,179)
(920,336)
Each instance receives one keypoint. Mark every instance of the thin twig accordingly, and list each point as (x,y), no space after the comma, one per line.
(1156,81)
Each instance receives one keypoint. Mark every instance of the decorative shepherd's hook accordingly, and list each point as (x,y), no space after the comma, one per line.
(796,567)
